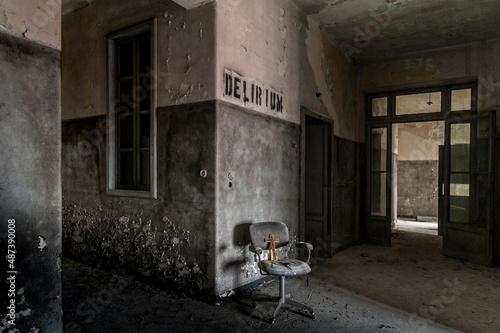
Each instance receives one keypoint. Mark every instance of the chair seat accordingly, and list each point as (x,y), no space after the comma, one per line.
(285,267)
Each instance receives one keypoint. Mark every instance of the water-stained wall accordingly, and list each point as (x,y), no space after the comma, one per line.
(30,187)
(168,239)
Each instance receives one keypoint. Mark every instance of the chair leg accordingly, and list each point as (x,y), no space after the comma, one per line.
(282,300)
(302,306)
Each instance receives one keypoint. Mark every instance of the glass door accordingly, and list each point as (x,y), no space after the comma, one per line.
(378,229)
(467,227)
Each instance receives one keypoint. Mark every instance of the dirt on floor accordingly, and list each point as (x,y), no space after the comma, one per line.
(409,287)
(413,276)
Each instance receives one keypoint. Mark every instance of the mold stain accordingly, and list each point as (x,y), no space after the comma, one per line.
(112,241)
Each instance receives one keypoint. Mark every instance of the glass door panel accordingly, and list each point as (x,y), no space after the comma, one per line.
(469,177)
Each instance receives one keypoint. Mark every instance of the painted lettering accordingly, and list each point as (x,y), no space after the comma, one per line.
(245,98)
(229,84)
(242,90)
(237,82)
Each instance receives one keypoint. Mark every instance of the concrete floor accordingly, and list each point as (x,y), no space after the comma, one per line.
(362,289)
(429,228)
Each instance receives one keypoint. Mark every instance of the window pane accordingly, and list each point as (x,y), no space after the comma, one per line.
(482,144)
(145,55)
(145,168)
(379,149)
(126,131)
(379,107)
(145,93)
(459,198)
(378,194)
(479,219)
(461,99)
(126,58)
(418,103)
(126,168)
(460,147)
(126,97)
(145,130)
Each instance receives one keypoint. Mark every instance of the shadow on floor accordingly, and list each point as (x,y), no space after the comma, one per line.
(96,301)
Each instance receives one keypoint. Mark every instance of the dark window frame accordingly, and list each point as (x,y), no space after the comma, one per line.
(130,106)
(444,89)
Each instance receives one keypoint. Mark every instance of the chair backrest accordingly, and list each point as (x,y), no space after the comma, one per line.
(260,231)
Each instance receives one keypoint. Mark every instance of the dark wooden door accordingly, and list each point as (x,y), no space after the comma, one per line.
(317,187)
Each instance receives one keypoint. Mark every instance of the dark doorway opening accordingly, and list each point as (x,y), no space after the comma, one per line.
(317,187)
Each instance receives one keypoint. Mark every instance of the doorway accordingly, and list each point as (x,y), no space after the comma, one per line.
(416,171)
(317,184)
(466,183)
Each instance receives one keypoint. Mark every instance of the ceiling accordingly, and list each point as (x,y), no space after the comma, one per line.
(374,29)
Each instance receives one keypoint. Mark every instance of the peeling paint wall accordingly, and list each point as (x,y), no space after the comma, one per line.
(30,187)
(36,20)
(336,81)
(167,240)
(264,41)
(185,45)
(274,43)
(259,40)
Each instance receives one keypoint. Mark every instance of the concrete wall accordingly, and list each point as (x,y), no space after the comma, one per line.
(456,64)
(30,189)
(167,240)
(288,53)
(418,188)
(257,181)
(417,173)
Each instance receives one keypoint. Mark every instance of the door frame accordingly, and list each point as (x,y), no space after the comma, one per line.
(304,113)
(381,234)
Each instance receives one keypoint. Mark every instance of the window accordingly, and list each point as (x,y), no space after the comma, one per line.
(431,103)
(131,119)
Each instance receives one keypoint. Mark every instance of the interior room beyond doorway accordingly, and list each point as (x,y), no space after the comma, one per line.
(415,195)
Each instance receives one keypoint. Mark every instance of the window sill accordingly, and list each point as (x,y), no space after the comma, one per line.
(132,194)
